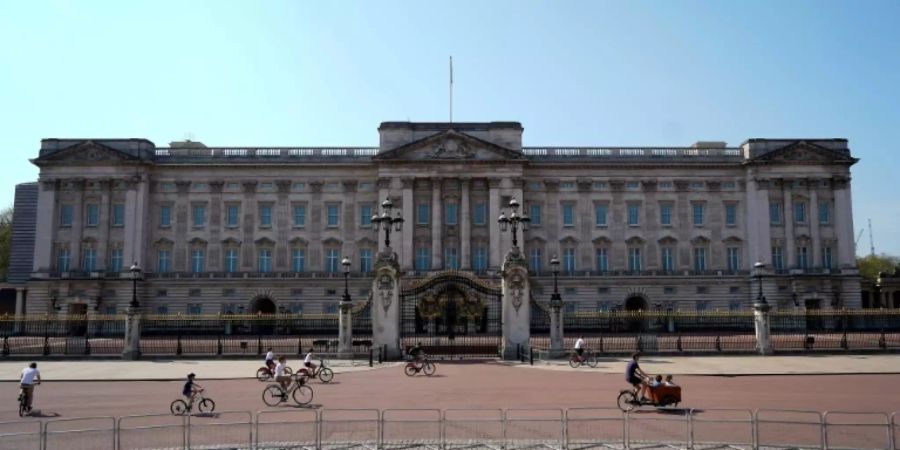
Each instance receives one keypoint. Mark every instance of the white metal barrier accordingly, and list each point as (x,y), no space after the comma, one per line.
(787,429)
(856,430)
(464,428)
(21,434)
(81,433)
(721,428)
(411,428)
(152,431)
(294,429)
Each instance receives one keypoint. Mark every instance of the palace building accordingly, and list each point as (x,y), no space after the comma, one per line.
(227,229)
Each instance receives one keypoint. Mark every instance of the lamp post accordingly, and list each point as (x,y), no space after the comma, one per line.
(386,222)
(135,275)
(761,316)
(346,263)
(513,221)
(556,322)
(555,299)
(345,320)
(760,298)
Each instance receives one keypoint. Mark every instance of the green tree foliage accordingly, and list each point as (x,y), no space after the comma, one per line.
(870,266)
(6,216)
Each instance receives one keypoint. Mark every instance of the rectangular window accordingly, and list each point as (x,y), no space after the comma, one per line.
(231,260)
(802,257)
(423,259)
(800,212)
(162,310)
(365,215)
(699,259)
(451,260)
(298,259)
(265,216)
(118,218)
(231,215)
(634,259)
(702,305)
(199,215)
(332,261)
(333,215)
(734,305)
(534,260)
(299,216)
(65,215)
(824,213)
(480,214)
(668,259)
(479,259)
(600,215)
(730,214)
(89,261)
(62,260)
(568,215)
(535,214)
(634,214)
(165,216)
(365,260)
(451,209)
(195,308)
(92,215)
(198,260)
(163,259)
(778,258)
(826,257)
(665,214)
(698,213)
(733,254)
(115,260)
(569,260)
(775,213)
(602,257)
(423,214)
(265,260)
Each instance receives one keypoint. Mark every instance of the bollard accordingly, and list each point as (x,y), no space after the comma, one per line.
(219,345)
(531,355)
(371,356)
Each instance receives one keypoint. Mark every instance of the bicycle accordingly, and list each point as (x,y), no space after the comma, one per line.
(264,374)
(323,373)
(577,361)
(274,394)
(24,410)
(425,366)
(204,405)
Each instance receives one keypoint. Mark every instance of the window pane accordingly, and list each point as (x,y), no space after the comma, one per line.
(265,216)
(451,214)
(480,214)
(199,213)
(800,212)
(165,216)
(231,216)
(365,260)
(93,215)
(535,260)
(602,260)
(698,214)
(298,260)
(535,214)
(65,216)
(299,215)
(365,215)
(775,212)
(730,214)
(824,213)
(333,215)
(600,215)
(423,214)
(665,214)
(568,215)
(569,260)
(634,214)
(118,215)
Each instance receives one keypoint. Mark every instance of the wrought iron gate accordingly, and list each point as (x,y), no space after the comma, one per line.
(453,315)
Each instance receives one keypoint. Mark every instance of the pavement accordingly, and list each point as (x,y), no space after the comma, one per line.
(169,369)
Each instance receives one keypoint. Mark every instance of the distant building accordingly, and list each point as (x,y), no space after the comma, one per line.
(232,229)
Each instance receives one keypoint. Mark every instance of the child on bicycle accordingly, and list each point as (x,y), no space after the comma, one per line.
(280,377)
(191,389)
(270,358)
(579,348)
(309,364)
(416,352)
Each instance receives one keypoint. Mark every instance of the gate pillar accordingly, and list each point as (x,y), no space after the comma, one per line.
(132,346)
(516,310)
(386,304)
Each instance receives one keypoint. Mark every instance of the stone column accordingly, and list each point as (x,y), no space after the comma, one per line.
(814,224)
(132,348)
(493,213)
(20,307)
(78,220)
(407,254)
(757,221)
(386,305)
(345,328)
(106,213)
(843,223)
(516,307)
(788,216)
(436,225)
(763,333)
(47,218)
(557,345)
(465,225)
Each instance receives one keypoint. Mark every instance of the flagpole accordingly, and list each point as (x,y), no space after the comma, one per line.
(451,89)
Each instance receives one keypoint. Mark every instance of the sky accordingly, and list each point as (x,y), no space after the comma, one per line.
(292,73)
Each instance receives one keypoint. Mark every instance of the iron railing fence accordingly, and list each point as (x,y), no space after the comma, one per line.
(573,429)
(67,335)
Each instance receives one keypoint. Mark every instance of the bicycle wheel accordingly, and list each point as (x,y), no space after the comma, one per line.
(303,394)
(574,362)
(273,395)
(206,405)
(179,407)
(23,408)
(326,374)
(592,361)
(263,374)
(428,368)
(626,401)
(410,370)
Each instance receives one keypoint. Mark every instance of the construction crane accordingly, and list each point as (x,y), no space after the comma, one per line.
(856,241)
(871,241)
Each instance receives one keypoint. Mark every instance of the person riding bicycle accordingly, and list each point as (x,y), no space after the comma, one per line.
(191,388)
(635,376)
(579,347)
(30,377)
(270,358)
(417,353)
(280,376)
(309,364)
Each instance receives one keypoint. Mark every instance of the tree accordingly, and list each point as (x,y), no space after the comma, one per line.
(6,217)
(870,266)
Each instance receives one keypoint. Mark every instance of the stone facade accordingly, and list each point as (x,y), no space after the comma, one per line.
(265,229)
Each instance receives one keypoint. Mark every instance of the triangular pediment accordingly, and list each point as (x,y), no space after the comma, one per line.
(87,152)
(803,152)
(450,145)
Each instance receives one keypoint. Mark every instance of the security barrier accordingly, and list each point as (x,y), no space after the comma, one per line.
(572,429)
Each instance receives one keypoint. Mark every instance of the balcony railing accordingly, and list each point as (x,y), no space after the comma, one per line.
(262,153)
(650,153)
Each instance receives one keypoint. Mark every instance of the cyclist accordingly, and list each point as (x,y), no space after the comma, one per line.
(270,358)
(579,348)
(30,377)
(191,389)
(282,378)
(635,376)
(417,353)
(309,364)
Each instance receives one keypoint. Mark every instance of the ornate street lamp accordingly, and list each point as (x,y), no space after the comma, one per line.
(135,275)
(514,220)
(346,263)
(760,298)
(386,222)
(555,299)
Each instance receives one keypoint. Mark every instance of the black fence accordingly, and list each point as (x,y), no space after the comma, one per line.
(62,335)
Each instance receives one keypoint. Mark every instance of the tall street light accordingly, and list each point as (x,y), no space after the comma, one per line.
(386,222)
(514,220)
(346,263)
(555,299)
(760,298)
(135,275)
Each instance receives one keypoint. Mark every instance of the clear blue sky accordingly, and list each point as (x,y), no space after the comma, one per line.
(574,73)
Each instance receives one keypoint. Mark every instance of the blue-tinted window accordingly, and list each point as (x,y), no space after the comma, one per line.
(332,261)
(163,259)
(824,213)
(569,260)
(634,214)
(231,260)
(231,215)
(265,260)
(479,259)
(600,215)
(568,215)
(775,213)
(118,218)
(668,259)
(423,259)
(299,215)
(665,214)
(698,213)
(480,214)
(298,259)
(365,260)
(65,216)
(63,260)
(535,214)
(800,212)
(451,218)
(265,216)
(199,215)
(365,215)
(423,214)
(165,216)
(333,215)
(602,257)
(534,260)
(89,261)
(115,260)
(198,260)
(93,215)
(730,214)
